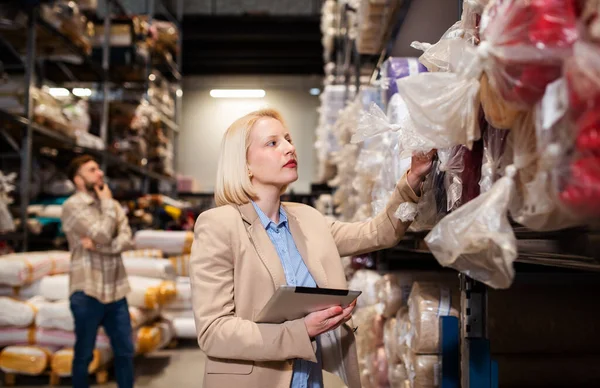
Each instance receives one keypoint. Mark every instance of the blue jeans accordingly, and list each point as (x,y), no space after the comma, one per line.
(90,314)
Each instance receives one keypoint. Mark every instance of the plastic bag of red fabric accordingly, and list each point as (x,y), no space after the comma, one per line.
(527,41)
(579,183)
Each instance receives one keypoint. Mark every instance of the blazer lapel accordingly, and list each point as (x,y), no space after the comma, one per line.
(263,245)
(311,259)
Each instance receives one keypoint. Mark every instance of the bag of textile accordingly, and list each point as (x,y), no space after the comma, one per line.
(498,113)
(55,315)
(141,316)
(55,287)
(422,370)
(426,304)
(7,186)
(395,68)
(16,313)
(150,293)
(494,141)
(397,376)
(378,369)
(578,182)
(25,360)
(369,337)
(62,361)
(183,322)
(181,264)
(19,269)
(62,338)
(364,280)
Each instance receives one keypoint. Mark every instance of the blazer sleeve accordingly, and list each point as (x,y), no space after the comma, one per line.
(382,231)
(221,333)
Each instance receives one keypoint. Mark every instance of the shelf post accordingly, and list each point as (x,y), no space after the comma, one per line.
(105,85)
(27,139)
(477,368)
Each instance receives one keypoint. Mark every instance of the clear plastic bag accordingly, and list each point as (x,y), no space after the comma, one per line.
(578,182)
(433,204)
(494,141)
(452,164)
(7,186)
(395,68)
(477,239)
(525,45)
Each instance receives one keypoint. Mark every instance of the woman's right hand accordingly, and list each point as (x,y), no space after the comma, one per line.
(322,321)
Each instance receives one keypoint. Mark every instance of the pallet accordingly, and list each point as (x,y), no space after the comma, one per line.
(10,379)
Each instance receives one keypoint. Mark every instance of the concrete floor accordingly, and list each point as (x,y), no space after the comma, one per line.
(182,367)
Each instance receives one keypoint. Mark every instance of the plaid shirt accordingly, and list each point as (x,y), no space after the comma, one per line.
(99,273)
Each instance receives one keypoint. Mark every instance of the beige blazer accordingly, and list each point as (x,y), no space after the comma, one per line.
(235,269)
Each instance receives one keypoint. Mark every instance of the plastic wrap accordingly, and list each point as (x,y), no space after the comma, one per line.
(143,253)
(579,182)
(452,164)
(477,239)
(397,376)
(19,269)
(432,206)
(7,186)
(422,370)
(22,293)
(498,112)
(525,44)
(365,280)
(390,341)
(150,293)
(149,267)
(24,360)
(494,141)
(170,242)
(378,369)
(16,313)
(16,336)
(426,304)
(62,361)
(368,338)
(390,295)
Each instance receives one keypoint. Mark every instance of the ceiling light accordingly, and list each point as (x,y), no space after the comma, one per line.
(152,77)
(58,92)
(179,92)
(82,92)
(314,91)
(237,93)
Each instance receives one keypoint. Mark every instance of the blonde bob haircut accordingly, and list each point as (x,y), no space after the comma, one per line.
(233,184)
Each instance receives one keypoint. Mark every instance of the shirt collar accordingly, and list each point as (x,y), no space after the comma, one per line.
(87,198)
(266,221)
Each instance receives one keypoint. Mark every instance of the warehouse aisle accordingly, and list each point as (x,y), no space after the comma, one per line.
(182,367)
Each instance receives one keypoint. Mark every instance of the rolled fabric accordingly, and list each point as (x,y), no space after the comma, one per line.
(170,242)
(149,267)
(183,299)
(16,313)
(426,304)
(55,315)
(147,339)
(141,316)
(181,264)
(61,262)
(62,361)
(26,360)
(150,293)
(19,269)
(55,287)
(143,253)
(184,327)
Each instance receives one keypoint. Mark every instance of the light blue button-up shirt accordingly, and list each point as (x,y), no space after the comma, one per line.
(306,374)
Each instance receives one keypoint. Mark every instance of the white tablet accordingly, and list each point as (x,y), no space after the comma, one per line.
(293,302)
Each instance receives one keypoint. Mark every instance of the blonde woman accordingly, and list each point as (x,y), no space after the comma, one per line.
(251,244)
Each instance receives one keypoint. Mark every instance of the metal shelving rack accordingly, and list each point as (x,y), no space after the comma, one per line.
(31,131)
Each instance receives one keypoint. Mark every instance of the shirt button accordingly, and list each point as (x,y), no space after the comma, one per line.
(276,230)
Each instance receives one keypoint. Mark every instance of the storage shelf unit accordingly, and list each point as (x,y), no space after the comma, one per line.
(31,136)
